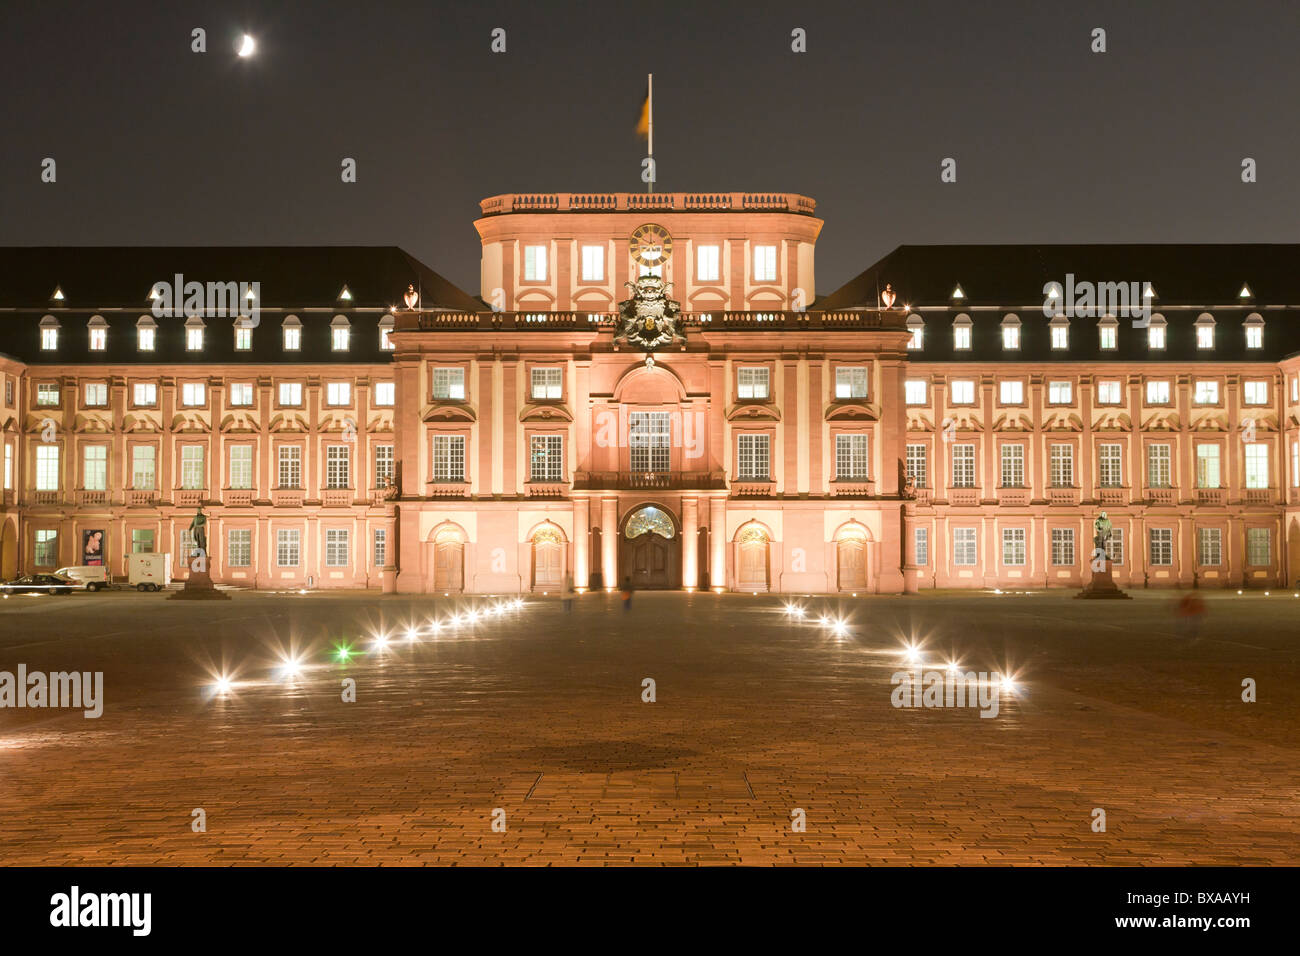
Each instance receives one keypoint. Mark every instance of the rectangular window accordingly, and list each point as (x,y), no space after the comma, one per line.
(545,458)
(754,456)
(1207,466)
(144,338)
(851,381)
(449,384)
(1157,393)
(241,466)
(1207,392)
(1013,547)
(290,466)
(47,467)
(547,383)
(194,338)
(1011,392)
(1254,336)
(917,465)
(96,394)
(193,394)
(1156,337)
(593,263)
(961,337)
(94,467)
(1205,336)
(241,395)
(49,339)
(1158,466)
(534,263)
(145,394)
(921,546)
(383,465)
(963,466)
(386,343)
(337,547)
(963,392)
(707,264)
(1108,393)
(47,395)
(448,457)
(243,339)
(1256,465)
(292,338)
(752,382)
(144,461)
(1013,466)
(338,393)
(291,394)
(339,338)
(851,457)
(1209,547)
(9,466)
(1161,541)
(1063,547)
(765,263)
(1058,393)
(380,550)
(1060,337)
(1256,393)
(385,394)
(1259,547)
(239,547)
(338,466)
(142,541)
(648,441)
(288,547)
(1108,336)
(192,475)
(1010,338)
(914,390)
(1115,547)
(1110,465)
(1295,388)
(964,551)
(1062,460)
(1295,465)
(47,548)
(917,340)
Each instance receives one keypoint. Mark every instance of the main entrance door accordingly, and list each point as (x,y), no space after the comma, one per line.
(548,560)
(751,570)
(449,562)
(650,544)
(852,553)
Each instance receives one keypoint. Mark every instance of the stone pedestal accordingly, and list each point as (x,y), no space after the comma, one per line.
(199,587)
(1102,586)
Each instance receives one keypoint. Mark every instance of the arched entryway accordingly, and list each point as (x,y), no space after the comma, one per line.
(752,551)
(548,558)
(851,558)
(8,550)
(649,548)
(1293,553)
(448,564)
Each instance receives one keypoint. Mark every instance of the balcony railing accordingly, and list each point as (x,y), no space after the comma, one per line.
(141,496)
(46,497)
(1257,496)
(237,497)
(648,480)
(1063,496)
(447,489)
(190,497)
(853,488)
(87,497)
(752,487)
(1016,497)
(547,489)
(336,497)
(1209,496)
(964,497)
(1162,496)
(1112,497)
(721,320)
(625,202)
(287,497)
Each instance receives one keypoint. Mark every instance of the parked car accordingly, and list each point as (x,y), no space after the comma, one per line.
(92,577)
(40,583)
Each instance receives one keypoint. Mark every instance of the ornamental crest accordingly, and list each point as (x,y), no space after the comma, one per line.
(649,320)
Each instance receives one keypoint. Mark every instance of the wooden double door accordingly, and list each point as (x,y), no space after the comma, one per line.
(651,561)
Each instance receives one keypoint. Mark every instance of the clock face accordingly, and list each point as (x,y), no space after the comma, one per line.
(651,245)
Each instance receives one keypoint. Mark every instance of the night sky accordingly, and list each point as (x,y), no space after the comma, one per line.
(158,145)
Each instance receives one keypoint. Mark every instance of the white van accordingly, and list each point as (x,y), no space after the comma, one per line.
(92,577)
(149,571)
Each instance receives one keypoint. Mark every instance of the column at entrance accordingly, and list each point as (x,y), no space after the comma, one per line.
(609,541)
(581,541)
(690,546)
(718,540)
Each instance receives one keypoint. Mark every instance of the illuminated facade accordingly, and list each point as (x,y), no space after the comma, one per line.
(926,425)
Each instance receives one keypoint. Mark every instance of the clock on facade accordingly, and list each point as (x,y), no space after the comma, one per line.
(651,245)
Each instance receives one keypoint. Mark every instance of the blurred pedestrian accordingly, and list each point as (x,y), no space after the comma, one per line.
(569,592)
(627,593)
(1189,610)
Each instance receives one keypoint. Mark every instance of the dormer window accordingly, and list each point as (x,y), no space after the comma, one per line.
(145,330)
(916,327)
(961,333)
(1254,331)
(1060,330)
(1156,333)
(1108,334)
(98,334)
(243,335)
(292,334)
(385,334)
(194,334)
(1205,331)
(1010,333)
(339,332)
(49,333)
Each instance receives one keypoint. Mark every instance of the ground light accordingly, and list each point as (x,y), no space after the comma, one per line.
(343,652)
(1008,685)
(290,667)
(412,634)
(222,686)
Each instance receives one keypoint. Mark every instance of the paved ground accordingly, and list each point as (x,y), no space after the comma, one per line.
(540,714)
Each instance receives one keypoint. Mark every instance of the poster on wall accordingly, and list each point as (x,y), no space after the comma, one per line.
(92,548)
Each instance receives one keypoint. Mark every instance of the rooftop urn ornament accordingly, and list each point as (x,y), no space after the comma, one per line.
(889,296)
(411,297)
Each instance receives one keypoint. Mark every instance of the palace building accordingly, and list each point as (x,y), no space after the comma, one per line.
(648,387)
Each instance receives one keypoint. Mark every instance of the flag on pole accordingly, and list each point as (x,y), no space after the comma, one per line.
(643,124)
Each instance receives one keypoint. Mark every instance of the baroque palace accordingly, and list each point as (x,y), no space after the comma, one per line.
(648,388)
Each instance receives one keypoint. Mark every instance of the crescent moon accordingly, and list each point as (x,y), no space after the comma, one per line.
(247,46)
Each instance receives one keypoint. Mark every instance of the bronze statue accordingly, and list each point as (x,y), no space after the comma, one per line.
(1101,532)
(198,530)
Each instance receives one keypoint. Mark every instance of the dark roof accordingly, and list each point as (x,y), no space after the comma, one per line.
(290,277)
(1012,276)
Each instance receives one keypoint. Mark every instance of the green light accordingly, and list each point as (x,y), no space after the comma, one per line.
(342,652)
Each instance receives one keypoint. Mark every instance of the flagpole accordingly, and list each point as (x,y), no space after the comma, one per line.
(650,125)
